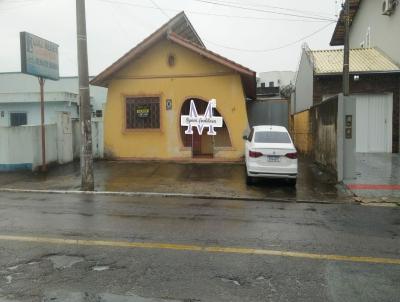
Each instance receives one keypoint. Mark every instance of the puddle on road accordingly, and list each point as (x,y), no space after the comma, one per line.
(64,261)
(100,268)
(12,268)
(61,296)
(230,280)
(9,279)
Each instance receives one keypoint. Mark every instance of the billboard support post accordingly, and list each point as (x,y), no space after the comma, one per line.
(41,83)
(39,57)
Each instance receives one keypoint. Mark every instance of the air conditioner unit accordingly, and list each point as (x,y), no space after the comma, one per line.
(388,7)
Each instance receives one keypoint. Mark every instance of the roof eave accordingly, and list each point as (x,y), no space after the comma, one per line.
(102,78)
(337,36)
(357,73)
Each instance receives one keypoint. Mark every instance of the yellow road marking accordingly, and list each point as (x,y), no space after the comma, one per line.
(198,248)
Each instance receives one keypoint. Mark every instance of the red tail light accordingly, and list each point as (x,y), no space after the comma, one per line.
(291,155)
(255,154)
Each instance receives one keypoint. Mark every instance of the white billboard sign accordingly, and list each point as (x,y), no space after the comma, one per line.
(39,57)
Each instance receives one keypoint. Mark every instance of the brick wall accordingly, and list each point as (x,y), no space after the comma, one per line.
(374,84)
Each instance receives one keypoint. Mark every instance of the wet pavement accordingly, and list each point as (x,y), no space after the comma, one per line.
(377,177)
(34,271)
(215,180)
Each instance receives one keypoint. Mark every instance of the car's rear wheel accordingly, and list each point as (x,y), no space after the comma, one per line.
(249,180)
(292,181)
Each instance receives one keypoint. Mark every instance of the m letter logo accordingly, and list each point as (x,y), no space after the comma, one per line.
(208,120)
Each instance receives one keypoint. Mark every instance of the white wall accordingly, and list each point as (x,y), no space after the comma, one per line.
(97,138)
(21,146)
(384,30)
(303,96)
(33,111)
(285,78)
(13,82)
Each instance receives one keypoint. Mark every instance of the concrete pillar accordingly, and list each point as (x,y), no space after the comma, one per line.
(346,138)
(64,138)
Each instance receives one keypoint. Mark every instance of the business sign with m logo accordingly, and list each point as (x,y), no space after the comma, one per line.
(208,120)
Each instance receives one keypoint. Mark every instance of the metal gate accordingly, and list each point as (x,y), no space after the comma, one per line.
(374,123)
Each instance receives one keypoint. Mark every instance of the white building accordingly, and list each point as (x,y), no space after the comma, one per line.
(275,78)
(24,108)
(374,23)
(20,99)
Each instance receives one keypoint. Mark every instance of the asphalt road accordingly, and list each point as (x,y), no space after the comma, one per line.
(70,248)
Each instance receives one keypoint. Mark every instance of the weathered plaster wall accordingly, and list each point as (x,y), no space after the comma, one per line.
(191,76)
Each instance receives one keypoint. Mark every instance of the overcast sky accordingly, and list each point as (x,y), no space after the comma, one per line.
(115,26)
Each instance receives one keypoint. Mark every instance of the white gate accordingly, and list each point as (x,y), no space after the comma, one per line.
(374,123)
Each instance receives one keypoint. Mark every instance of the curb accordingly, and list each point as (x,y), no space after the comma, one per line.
(170,195)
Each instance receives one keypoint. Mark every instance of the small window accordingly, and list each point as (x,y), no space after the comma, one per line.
(99,113)
(273,137)
(143,113)
(18,119)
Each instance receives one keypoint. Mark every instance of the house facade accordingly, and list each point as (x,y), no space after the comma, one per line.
(151,87)
(373,24)
(374,82)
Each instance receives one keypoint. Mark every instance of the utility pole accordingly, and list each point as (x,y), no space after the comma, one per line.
(87,180)
(43,130)
(346,51)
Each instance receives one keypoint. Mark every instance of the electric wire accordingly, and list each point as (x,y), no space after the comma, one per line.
(275,48)
(304,18)
(263,10)
(275,7)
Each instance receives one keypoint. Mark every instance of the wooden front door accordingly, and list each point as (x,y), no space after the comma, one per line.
(202,145)
(196,143)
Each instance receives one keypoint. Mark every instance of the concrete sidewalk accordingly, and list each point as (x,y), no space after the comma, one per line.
(214,180)
(378,178)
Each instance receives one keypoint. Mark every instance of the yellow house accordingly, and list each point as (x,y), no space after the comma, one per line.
(151,86)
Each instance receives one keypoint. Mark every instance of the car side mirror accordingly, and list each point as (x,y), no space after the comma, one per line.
(245,137)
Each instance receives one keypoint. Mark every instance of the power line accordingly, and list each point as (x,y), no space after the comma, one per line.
(160,9)
(211,14)
(275,7)
(233,48)
(264,11)
(271,49)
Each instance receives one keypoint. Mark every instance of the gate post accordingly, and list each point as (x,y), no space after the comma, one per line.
(346,138)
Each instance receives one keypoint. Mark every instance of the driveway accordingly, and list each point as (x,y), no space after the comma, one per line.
(216,180)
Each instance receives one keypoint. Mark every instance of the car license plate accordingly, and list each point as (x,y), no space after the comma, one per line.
(273,158)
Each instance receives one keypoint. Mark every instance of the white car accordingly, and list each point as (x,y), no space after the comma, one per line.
(270,153)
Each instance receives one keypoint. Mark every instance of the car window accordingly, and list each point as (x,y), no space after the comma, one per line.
(272,137)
